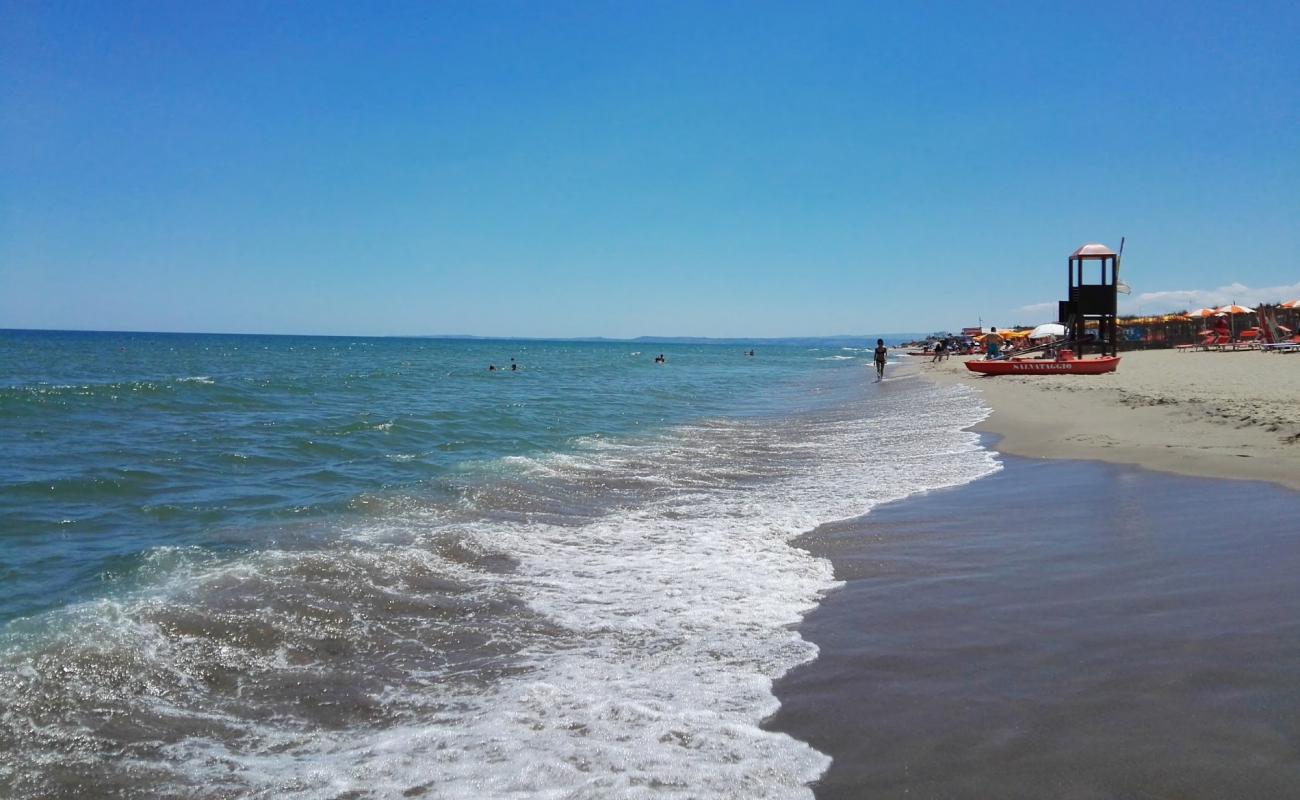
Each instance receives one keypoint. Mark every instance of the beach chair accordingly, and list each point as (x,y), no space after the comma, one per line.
(1214,341)
(1248,339)
(1291,345)
(1274,335)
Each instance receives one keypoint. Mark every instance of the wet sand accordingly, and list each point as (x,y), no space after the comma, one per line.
(1060,629)
(1224,415)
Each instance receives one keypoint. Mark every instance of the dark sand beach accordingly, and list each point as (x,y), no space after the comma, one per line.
(1060,629)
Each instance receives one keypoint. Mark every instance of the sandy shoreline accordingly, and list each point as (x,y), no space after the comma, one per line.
(1219,415)
(1135,637)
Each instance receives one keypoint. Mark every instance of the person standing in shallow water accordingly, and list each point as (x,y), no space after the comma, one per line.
(882,353)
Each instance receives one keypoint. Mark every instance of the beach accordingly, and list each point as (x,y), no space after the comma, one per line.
(329,566)
(1064,629)
(1209,414)
(1067,627)
(460,402)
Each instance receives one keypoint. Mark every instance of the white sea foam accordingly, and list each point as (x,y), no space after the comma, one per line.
(677,617)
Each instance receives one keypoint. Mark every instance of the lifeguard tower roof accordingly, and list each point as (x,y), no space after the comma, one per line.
(1093,250)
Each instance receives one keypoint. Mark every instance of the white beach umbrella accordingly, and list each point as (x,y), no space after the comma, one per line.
(1234,309)
(1202,312)
(1231,311)
(1047,329)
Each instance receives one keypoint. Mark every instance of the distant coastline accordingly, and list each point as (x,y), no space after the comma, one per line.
(838,340)
(790,341)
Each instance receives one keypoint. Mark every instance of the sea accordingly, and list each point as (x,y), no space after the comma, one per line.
(341,567)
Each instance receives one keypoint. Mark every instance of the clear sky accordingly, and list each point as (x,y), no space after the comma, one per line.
(624,168)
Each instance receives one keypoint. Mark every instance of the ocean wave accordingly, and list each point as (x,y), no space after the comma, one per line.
(96,389)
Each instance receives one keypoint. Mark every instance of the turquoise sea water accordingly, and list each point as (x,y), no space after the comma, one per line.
(243,566)
(120,443)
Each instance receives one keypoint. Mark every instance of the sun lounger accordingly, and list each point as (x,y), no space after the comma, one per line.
(1249,337)
(1214,341)
(1272,334)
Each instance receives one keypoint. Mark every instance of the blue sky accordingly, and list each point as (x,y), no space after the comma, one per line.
(620,169)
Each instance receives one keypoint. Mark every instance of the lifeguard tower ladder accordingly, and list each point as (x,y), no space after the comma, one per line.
(1093,298)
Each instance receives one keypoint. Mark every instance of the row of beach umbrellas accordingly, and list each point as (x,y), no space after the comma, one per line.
(1233,309)
(1055,329)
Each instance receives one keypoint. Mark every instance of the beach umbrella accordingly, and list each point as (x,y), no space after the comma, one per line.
(1231,311)
(1201,313)
(1047,329)
(1291,304)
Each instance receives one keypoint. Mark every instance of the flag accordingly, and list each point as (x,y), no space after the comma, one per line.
(1120,286)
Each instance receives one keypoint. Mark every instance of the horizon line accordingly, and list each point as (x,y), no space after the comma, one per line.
(470,336)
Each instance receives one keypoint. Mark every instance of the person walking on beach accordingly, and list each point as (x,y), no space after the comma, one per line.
(882,353)
(939,348)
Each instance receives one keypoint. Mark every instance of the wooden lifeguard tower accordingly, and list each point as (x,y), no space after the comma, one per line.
(1093,298)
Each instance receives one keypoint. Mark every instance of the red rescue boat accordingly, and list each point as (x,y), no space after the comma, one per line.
(1042,366)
